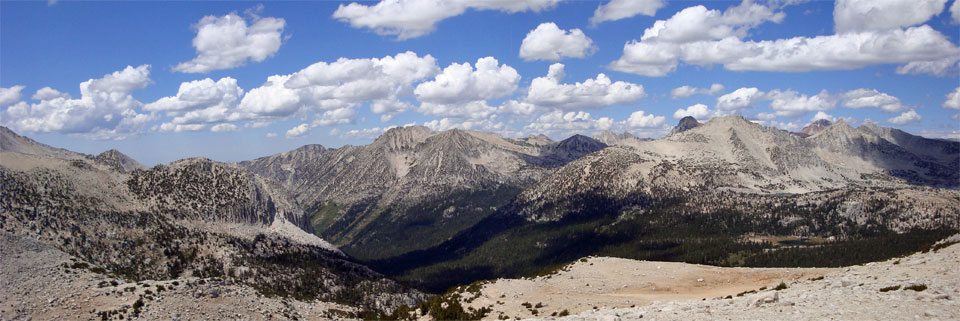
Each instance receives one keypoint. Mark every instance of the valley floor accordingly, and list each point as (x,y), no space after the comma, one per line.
(921,286)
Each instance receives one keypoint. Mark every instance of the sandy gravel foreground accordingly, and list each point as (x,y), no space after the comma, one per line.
(922,286)
(606,282)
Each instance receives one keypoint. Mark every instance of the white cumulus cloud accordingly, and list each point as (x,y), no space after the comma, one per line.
(621,9)
(822,115)
(47,93)
(407,19)
(687,91)
(791,104)
(906,117)
(105,110)
(864,15)
(10,96)
(298,131)
(488,125)
(703,37)
(349,82)
(227,42)
(461,83)
(955,12)
(698,111)
(860,98)
(591,94)
(200,102)
(224,127)
(337,116)
(271,101)
(570,122)
(639,119)
(549,42)
(952,100)
(742,98)
(461,91)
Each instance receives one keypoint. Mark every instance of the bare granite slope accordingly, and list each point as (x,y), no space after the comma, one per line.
(920,286)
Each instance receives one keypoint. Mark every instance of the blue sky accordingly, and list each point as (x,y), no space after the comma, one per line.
(781,63)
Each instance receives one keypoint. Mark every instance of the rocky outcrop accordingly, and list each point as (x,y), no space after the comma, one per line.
(685,124)
(118,161)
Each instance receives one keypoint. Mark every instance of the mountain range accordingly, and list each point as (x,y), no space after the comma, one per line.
(194,217)
(436,209)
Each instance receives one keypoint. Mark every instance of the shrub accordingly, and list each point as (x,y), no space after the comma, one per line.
(563,313)
(890,288)
(916,287)
(781,286)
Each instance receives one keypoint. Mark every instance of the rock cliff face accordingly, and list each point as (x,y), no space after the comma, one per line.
(191,218)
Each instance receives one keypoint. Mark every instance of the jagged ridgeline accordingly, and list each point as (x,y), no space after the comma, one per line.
(413,188)
(194,217)
(437,209)
(715,192)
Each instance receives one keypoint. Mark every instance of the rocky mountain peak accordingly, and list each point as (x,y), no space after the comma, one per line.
(612,138)
(581,143)
(685,124)
(839,128)
(821,122)
(538,139)
(403,138)
(814,128)
(310,148)
(118,161)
